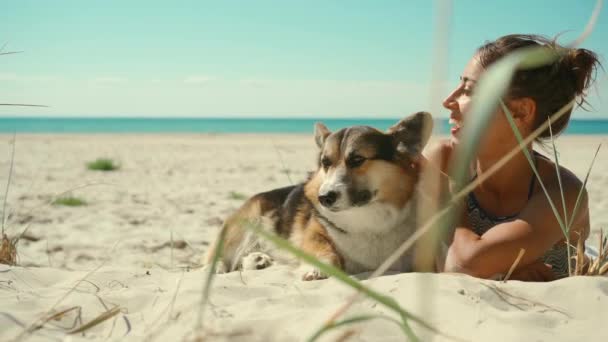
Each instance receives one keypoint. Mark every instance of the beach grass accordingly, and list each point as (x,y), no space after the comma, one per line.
(103,164)
(590,265)
(8,251)
(70,201)
(8,247)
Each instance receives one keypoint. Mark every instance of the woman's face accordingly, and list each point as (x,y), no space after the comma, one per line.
(498,136)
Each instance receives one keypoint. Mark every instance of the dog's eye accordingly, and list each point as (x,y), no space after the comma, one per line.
(325,162)
(355,161)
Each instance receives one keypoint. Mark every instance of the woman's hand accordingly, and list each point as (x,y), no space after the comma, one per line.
(536,271)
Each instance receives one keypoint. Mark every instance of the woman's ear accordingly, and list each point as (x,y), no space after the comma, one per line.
(523,110)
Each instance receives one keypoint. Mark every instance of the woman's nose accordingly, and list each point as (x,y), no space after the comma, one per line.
(450,101)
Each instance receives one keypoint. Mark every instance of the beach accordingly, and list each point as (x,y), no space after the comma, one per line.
(139,239)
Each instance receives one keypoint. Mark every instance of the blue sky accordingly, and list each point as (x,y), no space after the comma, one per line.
(258,58)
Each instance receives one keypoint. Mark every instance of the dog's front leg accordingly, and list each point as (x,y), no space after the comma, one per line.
(316,242)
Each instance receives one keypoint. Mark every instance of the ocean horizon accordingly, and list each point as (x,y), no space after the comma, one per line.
(228,125)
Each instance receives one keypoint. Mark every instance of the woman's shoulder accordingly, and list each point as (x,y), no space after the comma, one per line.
(547,169)
(563,184)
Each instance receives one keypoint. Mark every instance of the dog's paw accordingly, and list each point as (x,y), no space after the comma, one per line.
(256,261)
(314,274)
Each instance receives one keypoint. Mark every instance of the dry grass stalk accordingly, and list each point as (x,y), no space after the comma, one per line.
(602,260)
(522,251)
(28,329)
(97,320)
(580,257)
(57,316)
(590,266)
(595,265)
(604,269)
(8,251)
(75,327)
(347,335)
(521,303)
(171,316)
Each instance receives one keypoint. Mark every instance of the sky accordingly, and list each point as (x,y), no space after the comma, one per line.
(227,58)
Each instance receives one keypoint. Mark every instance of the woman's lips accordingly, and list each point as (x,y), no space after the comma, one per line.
(455,128)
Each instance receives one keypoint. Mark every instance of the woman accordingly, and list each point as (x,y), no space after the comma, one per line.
(509,210)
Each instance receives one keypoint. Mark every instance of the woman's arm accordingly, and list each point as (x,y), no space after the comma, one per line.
(536,230)
(439,154)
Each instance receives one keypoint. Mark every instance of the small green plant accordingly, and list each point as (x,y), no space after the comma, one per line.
(70,201)
(237,196)
(103,164)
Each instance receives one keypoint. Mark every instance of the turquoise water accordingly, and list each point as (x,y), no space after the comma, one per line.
(217,125)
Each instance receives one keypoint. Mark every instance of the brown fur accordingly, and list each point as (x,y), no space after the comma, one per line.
(317,242)
(397,182)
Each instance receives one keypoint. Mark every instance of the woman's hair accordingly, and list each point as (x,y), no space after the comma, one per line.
(551,86)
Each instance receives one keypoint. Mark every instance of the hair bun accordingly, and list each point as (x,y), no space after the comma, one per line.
(582,64)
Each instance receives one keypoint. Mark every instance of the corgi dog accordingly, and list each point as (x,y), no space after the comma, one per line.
(353,212)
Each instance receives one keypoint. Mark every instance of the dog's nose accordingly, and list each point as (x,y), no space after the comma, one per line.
(329,198)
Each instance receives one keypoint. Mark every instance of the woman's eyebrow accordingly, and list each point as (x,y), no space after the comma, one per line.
(466,79)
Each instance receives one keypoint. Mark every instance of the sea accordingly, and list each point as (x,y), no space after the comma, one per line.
(228,125)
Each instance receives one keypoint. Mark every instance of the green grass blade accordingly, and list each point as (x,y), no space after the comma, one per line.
(580,192)
(8,182)
(524,149)
(210,275)
(352,320)
(559,174)
(561,191)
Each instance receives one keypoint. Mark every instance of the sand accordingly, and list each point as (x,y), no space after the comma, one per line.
(181,187)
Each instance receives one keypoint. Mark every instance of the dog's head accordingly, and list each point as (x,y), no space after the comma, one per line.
(362,165)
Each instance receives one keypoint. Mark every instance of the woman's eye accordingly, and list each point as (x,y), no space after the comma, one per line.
(467,91)
(325,162)
(355,161)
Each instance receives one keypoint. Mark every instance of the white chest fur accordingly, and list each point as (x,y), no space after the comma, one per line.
(371,233)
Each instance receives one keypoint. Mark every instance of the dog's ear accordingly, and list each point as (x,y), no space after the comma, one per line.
(321,133)
(411,134)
